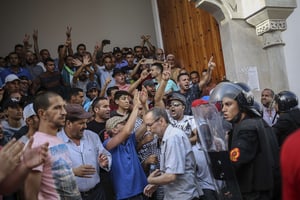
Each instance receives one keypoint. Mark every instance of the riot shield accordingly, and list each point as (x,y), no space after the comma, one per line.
(213,141)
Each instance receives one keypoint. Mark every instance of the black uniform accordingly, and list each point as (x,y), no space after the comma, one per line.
(287,123)
(252,157)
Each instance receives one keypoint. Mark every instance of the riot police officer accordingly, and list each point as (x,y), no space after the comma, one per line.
(286,105)
(249,147)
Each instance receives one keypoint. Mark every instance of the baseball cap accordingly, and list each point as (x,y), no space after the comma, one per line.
(114,121)
(177,96)
(149,83)
(10,78)
(76,111)
(199,102)
(117,71)
(92,85)
(116,50)
(28,111)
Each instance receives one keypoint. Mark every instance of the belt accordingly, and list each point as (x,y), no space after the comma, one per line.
(87,193)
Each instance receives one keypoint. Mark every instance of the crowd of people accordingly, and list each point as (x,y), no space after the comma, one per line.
(132,124)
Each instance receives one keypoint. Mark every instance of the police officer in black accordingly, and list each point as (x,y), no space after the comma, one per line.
(286,105)
(249,148)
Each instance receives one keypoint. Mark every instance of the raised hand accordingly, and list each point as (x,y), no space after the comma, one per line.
(35,34)
(68,32)
(87,60)
(136,99)
(143,96)
(211,64)
(147,37)
(166,74)
(26,41)
(76,62)
(97,47)
(68,42)
(33,157)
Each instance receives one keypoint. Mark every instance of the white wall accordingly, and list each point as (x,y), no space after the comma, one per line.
(292,50)
(123,22)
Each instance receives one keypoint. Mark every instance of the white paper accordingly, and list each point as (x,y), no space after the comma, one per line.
(253,80)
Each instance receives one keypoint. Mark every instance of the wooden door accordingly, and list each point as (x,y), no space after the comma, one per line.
(192,35)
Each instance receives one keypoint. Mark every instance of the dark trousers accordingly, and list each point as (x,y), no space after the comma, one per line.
(96,193)
(257,196)
(210,194)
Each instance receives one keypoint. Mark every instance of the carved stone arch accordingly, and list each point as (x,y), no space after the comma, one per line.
(251,39)
(214,7)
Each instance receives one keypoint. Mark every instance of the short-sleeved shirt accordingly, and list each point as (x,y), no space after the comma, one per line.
(58,180)
(128,176)
(178,158)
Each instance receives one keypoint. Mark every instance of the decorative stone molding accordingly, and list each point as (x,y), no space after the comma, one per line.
(270,25)
(232,4)
(272,39)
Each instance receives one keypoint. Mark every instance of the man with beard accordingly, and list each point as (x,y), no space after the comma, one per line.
(87,153)
(269,112)
(177,161)
(54,179)
(101,110)
(194,92)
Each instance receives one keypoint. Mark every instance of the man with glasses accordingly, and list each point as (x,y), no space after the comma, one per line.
(177,161)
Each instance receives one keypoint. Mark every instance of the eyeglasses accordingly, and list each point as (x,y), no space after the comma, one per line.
(151,124)
(175,104)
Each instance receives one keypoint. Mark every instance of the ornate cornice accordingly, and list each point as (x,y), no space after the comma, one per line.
(270,25)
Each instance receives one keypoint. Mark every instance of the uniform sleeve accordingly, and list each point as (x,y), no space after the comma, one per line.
(244,147)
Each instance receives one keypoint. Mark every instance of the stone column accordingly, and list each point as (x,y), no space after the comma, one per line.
(270,30)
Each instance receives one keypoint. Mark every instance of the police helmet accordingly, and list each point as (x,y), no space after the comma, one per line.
(286,101)
(240,92)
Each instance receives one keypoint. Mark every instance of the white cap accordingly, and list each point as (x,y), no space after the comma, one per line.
(10,78)
(28,111)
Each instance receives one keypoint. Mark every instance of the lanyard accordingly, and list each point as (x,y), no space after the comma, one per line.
(69,70)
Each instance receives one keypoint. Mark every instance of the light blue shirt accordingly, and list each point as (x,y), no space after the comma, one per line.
(177,157)
(86,153)
(170,87)
(103,74)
